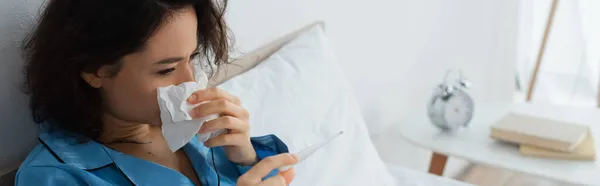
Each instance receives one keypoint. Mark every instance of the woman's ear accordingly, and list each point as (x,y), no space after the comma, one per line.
(95,79)
(92,79)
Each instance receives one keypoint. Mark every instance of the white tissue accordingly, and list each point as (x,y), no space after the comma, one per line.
(178,126)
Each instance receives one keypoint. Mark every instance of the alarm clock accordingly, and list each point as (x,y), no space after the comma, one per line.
(451,107)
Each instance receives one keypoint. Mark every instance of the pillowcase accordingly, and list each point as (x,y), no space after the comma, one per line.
(300,94)
(250,60)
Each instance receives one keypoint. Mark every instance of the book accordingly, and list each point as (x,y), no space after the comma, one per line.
(539,132)
(584,151)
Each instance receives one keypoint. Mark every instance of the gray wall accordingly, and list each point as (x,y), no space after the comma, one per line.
(17,130)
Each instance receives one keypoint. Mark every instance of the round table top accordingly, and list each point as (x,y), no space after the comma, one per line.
(474,144)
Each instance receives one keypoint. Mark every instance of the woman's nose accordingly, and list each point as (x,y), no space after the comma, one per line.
(186,74)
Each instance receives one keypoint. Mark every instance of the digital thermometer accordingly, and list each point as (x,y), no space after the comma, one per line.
(303,154)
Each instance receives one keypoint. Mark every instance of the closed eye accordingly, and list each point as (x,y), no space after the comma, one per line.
(166,72)
(169,71)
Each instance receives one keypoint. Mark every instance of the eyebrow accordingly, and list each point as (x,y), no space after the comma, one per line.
(169,60)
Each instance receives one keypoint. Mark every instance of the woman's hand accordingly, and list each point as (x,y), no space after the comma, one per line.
(233,118)
(254,176)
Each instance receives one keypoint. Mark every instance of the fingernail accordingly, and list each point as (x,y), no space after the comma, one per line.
(192,98)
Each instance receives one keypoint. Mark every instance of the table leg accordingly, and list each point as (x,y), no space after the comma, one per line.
(437,163)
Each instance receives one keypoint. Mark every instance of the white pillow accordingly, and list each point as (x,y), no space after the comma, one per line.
(300,94)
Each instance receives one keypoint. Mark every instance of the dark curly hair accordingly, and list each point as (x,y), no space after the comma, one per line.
(75,36)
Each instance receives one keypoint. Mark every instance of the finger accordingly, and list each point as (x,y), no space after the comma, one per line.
(220,106)
(288,175)
(276,180)
(225,122)
(265,166)
(210,94)
(227,140)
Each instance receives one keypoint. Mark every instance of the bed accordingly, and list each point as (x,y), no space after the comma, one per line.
(294,88)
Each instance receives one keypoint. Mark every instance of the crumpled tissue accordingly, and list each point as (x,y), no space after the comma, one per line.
(178,126)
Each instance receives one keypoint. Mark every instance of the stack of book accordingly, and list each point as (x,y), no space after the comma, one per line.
(545,138)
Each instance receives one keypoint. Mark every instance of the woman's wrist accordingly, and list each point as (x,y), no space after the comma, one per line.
(250,158)
(250,161)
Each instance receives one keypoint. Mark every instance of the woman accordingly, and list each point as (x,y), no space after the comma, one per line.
(93,67)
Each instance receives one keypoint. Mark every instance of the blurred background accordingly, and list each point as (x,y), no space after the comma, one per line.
(395,52)
(568,74)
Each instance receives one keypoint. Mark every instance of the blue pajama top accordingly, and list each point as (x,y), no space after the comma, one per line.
(62,158)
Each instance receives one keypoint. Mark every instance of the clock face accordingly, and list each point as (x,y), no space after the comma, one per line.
(458,109)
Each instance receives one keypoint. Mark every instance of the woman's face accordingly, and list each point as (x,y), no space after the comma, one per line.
(166,60)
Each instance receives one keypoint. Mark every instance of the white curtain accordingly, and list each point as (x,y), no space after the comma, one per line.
(569,74)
